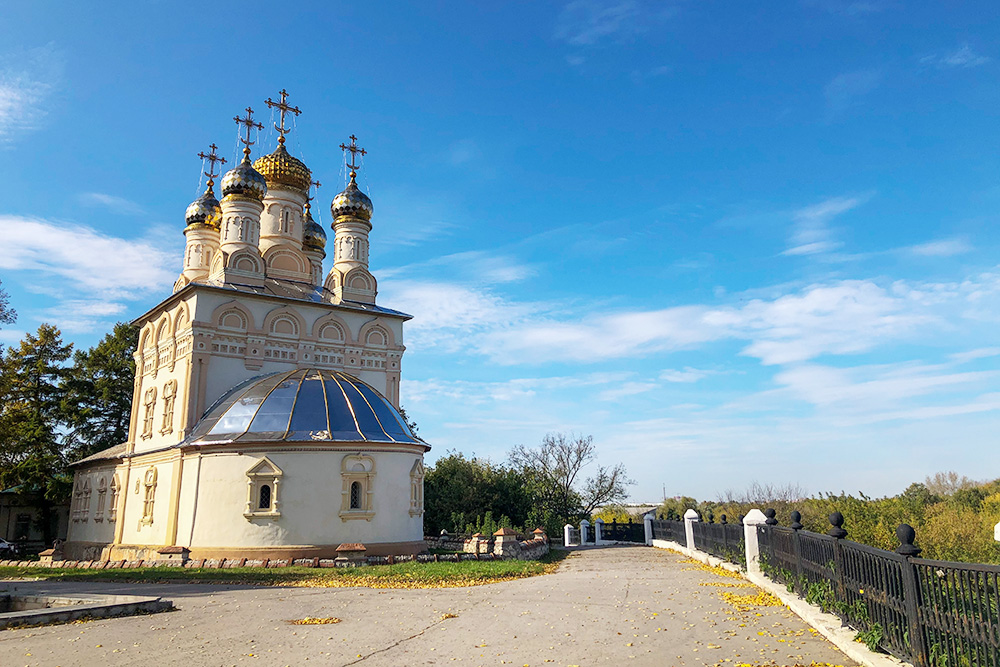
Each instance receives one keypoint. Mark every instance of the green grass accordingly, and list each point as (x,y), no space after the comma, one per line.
(403,575)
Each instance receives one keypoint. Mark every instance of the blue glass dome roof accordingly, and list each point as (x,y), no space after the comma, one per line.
(302,405)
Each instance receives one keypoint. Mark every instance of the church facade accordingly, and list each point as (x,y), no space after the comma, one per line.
(265,419)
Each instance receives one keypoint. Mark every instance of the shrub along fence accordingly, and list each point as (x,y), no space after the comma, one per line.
(929,612)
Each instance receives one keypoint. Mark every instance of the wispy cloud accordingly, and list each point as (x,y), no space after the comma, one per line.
(586,22)
(973,355)
(626,389)
(686,375)
(811,232)
(962,57)
(848,90)
(111,202)
(27,81)
(89,272)
(941,248)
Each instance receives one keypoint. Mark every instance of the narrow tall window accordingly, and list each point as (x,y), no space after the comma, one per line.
(149,404)
(85,507)
(113,507)
(355,495)
(169,396)
(102,491)
(263,490)
(264,502)
(358,475)
(149,482)
(417,488)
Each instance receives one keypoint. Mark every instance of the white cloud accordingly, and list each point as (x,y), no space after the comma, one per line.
(111,202)
(963,57)
(972,355)
(473,266)
(586,22)
(847,90)
(811,233)
(87,271)
(687,375)
(941,248)
(626,389)
(27,80)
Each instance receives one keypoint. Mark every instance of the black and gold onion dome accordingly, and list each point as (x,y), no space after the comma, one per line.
(244,181)
(313,235)
(352,202)
(205,211)
(281,168)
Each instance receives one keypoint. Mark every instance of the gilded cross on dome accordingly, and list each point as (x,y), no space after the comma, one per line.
(248,123)
(354,154)
(313,184)
(212,158)
(283,107)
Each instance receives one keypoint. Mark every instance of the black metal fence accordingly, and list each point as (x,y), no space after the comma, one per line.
(671,531)
(931,613)
(623,532)
(723,540)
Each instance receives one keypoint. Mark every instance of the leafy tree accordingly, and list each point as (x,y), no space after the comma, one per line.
(98,399)
(31,394)
(7,314)
(554,470)
(409,422)
(459,491)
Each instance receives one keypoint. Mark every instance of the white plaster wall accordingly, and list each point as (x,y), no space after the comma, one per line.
(92,530)
(133,531)
(310,498)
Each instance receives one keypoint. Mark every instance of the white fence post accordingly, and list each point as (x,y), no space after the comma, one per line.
(583,532)
(753,519)
(690,518)
(996,532)
(567,535)
(647,524)
(598,530)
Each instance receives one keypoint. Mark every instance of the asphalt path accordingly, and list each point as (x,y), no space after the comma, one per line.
(604,606)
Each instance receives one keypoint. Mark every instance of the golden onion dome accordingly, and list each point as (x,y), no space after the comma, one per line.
(204,211)
(281,168)
(313,235)
(244,180)
(352,202)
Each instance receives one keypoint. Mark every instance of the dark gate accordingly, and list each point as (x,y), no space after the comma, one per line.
(624,532)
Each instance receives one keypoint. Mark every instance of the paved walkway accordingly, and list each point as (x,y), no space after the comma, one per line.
(625,605)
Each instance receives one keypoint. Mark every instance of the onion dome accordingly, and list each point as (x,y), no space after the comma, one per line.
(243,180)
(306,405)
(313,234)
(352,202)
(204,211)
(281,168)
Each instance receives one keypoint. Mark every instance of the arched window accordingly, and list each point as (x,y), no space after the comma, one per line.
(113,507)
(358,475)
(150,410)
(102,490)
(264,497)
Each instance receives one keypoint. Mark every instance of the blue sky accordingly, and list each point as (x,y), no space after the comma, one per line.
(733,241)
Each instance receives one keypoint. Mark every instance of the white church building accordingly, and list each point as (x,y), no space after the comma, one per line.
(265,419)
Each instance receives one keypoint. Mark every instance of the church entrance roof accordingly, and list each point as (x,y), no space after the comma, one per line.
(302,405)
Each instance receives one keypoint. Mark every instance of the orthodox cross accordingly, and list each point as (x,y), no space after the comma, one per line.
(354,154)
(309,199)
(250,125)
(283,108)
(212,159)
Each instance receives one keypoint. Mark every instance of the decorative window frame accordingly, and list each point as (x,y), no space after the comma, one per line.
(361,469)
(116,489)
(417,488)
(263,473)
(148,497)
(77,501)
(85,500)
(102,496)
(169,399)
(149,404)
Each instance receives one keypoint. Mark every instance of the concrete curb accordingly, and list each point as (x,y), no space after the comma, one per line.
(826,624)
